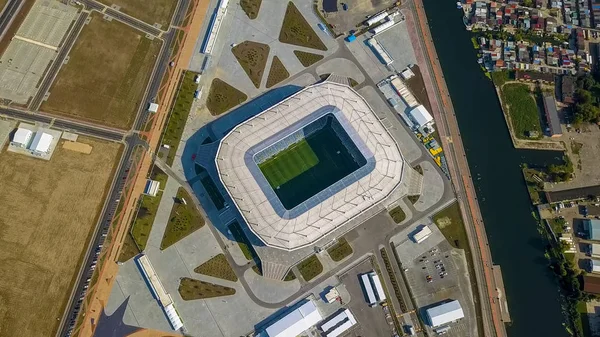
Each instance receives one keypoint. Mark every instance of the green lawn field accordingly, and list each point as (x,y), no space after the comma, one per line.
(289,163)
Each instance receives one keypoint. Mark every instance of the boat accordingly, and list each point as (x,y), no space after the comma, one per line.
(459,5)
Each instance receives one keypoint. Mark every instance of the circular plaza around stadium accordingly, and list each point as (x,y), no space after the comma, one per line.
(309,165)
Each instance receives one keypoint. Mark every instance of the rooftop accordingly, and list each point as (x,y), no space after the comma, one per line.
(329,209)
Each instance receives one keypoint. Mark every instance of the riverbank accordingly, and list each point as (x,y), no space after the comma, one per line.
(463,185)
(500,190)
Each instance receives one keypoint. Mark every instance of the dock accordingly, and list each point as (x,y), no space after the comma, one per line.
(500,293)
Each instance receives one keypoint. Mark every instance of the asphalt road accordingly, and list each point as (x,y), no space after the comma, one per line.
(37,100)
(133,141)
(9,12)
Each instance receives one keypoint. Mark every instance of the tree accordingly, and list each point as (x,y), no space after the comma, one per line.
(527,3)
(583,96)
(586,112)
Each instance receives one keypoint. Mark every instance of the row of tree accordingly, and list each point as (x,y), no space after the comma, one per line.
(586,108)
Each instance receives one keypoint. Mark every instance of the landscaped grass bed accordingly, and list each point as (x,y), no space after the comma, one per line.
(251,7)
(219,267)
(307,59)
(129,249)
(183,221)
(397,214)
(223,97)
(106,77)
(242,240)
(277,73)
(289,163)
(179,114)
(252,56)
(297,31)
(142,225)
(192,289)
(413,198)
(450,223)
(522,110)
(340,250)
(290,276)
(310,268)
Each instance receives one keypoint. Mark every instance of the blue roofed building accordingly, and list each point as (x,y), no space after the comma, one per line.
(592,227)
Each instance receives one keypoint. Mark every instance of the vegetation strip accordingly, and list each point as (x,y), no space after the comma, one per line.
(219,267)
(307,59)
(192,289)
(278,72)
(148,206)
(340,250)
(183,221)
(223,97)
(297,31)
(310,268)
(397,214)
(253,57)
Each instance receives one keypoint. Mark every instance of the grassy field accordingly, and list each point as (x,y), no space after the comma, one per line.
(413,198)
(191,289)
(129,249)
(183,221)
(277,73)
(253,57)
(289,163)
(49,209)
(307,59)
(522,109)
(155,11)
(250,7)
(397,214)
(179,114)
(142,225)
(242,240)
(217,266)
(297,31)
(340,250)
(223,97)
(310,268)
(105,79)
(450,223)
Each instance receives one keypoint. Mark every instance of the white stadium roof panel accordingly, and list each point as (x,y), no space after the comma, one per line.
(353,195)
(295,322)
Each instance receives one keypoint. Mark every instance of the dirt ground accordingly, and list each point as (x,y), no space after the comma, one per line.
(155,11)
(49,209)
(106,75)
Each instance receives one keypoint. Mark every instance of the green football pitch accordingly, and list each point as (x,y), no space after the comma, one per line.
(289,163)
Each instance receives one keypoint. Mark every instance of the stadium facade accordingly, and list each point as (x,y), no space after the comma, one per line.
(380,176)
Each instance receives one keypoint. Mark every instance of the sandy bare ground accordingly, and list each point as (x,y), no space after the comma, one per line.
(48,210)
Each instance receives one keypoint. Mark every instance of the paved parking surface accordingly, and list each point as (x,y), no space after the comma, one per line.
(371,320)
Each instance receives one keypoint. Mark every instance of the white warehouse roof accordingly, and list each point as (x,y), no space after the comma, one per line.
(173,317)
(420,115)
(41,142)
(423,234)
(22,136)
(445,313)
(308,222)
(295,322)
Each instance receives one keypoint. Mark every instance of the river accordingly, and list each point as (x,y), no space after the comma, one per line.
(531,288)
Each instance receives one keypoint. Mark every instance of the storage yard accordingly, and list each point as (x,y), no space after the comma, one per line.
(106,75)
(48,211)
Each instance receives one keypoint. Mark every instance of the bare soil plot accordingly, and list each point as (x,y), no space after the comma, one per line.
(252,56)
(106,75)
(49,209)
(251,8)
(307,59)
(277,73)
(155,11)
(297,31)
(223,97)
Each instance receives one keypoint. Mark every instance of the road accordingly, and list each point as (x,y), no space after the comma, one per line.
(132,141)
(462,182)
(8,13)
(64,50)
(129,20)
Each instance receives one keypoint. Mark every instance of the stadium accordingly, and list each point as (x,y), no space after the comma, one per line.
(309,165)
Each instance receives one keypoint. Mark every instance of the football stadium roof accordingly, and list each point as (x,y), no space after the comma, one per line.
(334,206)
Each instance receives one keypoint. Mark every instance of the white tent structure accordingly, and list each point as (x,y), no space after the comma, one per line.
(445,313)
(41,142)
(22,137)
(422,234)
(295,322)
(421,116)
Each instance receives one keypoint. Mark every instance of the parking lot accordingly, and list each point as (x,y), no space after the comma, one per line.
(371,320)
(436,276)
(353,14)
